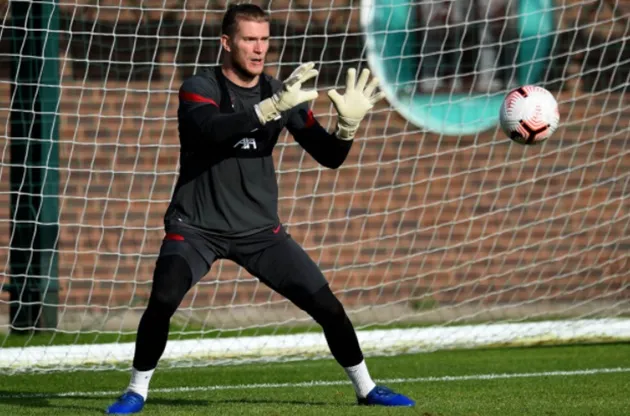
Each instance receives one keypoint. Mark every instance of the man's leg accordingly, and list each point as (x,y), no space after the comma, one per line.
(286,268)
(178,267)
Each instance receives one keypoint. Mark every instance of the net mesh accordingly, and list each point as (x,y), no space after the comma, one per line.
(419,225)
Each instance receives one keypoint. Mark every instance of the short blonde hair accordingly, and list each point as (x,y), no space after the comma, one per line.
(238,12)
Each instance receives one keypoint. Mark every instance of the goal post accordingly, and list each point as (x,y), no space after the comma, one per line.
(32,220)
(437,232)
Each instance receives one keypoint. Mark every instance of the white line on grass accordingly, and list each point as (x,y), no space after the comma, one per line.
(326,383)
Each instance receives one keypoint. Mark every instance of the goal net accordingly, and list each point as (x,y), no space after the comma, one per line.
(437,232)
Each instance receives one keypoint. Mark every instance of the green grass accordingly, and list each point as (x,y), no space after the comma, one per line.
(422,376)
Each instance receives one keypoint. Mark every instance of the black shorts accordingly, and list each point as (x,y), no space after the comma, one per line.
(272,256)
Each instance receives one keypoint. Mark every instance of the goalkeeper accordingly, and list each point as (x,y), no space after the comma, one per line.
(225,203)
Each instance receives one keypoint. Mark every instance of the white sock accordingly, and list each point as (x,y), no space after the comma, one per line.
(140,382)
(360,378)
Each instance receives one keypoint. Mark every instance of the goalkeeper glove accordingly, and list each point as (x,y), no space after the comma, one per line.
(354,104)
(290,95)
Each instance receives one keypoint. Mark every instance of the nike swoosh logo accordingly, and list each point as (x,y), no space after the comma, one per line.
(277,229)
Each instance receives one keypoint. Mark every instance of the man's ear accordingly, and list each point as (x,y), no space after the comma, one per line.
(225,43)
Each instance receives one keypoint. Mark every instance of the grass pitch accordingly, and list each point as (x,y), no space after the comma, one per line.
(589,380)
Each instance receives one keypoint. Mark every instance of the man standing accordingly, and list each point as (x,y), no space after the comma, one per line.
(225,202)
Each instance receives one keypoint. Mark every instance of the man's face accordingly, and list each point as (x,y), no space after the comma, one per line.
(248,47)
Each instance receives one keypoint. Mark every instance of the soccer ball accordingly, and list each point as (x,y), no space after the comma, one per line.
(529,115)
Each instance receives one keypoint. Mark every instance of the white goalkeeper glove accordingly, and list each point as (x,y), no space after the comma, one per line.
(354,104)
(290,95)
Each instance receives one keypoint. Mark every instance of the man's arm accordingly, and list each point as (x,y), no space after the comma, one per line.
(199,109)
(199,112)
(326,148)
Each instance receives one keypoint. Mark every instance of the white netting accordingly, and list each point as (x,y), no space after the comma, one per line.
(434,218)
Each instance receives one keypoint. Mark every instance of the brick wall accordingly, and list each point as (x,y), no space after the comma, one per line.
(411,214)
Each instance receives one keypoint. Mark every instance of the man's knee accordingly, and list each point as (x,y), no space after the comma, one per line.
(325,308)
(171,280)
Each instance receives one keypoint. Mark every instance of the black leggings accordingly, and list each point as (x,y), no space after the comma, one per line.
(173,277)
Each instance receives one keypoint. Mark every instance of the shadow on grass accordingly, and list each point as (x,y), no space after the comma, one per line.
(275,401)
(77,403)
(27,400)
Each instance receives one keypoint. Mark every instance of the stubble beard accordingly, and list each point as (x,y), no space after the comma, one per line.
(242,71)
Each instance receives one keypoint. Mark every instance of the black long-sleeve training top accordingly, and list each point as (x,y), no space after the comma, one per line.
(227,180)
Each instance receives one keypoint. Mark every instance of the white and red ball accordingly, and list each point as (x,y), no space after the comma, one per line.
(529,115)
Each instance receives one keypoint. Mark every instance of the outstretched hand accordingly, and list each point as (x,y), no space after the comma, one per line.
(290,95)
(354,104)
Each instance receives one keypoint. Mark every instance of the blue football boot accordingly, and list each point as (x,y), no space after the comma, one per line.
(382,396)
(130,402)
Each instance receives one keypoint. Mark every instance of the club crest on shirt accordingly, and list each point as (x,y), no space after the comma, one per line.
(246,143)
